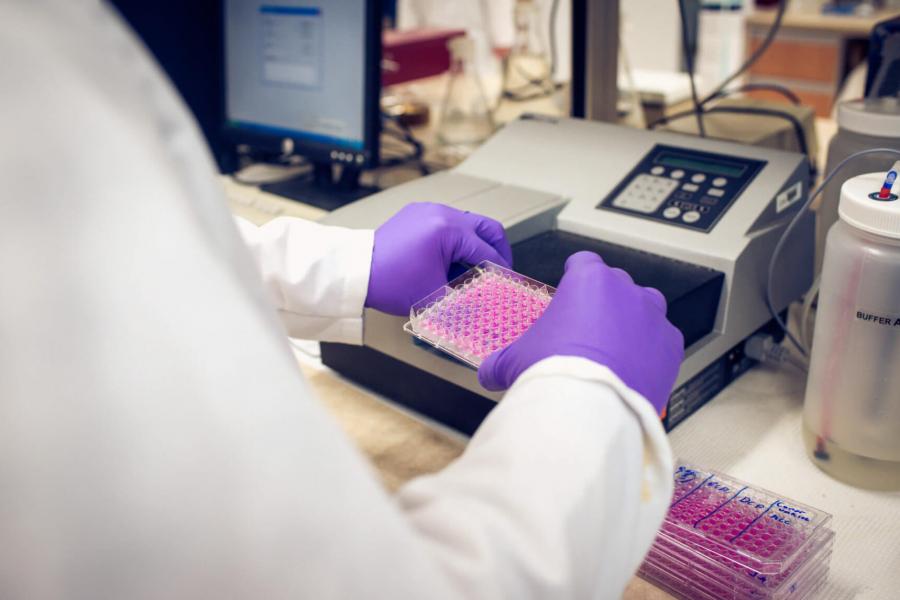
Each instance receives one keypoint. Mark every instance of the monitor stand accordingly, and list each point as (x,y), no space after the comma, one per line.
(322,188)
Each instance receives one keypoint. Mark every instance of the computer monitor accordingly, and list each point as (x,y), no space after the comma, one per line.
(303,77)
(186,40)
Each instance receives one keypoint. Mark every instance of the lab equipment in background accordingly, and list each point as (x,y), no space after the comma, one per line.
(415,54)
(870,123)
(466,118)
(297,82)
(531,79)
(695,218)
(641,19)
(721,43)
(851,415)
(487,22)
(527,69)
(481,311)
(862,124)
(630,103)
(723,538)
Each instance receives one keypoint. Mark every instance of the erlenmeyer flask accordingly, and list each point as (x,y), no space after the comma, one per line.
(466,118)
(527,73)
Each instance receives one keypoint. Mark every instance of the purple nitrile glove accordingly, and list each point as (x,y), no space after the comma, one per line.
(598,313)
(415,248)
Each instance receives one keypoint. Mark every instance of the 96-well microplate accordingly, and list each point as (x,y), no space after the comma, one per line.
(481,311)
(727,540)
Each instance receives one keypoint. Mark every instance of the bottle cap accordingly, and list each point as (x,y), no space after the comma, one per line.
(861,207)
(875,117)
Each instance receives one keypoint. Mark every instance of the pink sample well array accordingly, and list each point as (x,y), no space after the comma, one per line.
(481,311)
(724,539)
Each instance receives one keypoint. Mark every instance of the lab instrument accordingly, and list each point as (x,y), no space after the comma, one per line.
(852,408)
(598,314)
(481,311)
(306,80)
(726,539)
(696,219)
(528,69)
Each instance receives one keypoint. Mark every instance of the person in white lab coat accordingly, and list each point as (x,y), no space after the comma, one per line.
(156,437)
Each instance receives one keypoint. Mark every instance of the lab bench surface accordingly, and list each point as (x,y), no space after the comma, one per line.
(750,431)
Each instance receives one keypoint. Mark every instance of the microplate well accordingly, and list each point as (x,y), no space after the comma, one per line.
(481,311)
(724,539)
(720,516)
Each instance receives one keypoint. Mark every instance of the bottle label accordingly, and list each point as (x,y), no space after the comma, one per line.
(881,320)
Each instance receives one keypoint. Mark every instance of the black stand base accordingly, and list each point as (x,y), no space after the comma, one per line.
(321,189)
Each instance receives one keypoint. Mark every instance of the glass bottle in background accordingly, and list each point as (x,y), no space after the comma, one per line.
(466,118)
(527,73)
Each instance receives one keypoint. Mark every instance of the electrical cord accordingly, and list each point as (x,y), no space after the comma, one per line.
(770,37)
(806,311)
(405,135)
(751,87)
(752,110)
(763,348)
(793,225)
(689,64)
(720,91)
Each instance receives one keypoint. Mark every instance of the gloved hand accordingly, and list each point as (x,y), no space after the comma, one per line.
(598,313)
(415,248)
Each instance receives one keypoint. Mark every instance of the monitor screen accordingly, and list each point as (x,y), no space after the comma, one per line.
(296,69)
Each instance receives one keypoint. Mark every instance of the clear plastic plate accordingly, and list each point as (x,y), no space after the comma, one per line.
(701,573)
(734,522)
(481,311)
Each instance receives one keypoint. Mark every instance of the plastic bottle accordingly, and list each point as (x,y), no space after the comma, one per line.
(872,123)
(851,415)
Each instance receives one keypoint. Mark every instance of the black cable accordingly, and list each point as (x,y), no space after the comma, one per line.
(752,110)
(751,87)
(770,36)
(404,134)
(518,94)
(763,112)
(689,63)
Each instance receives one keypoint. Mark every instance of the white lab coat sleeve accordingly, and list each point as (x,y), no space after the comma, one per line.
(316,276)
(559,494)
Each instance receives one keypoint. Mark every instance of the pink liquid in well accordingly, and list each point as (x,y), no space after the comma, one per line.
(487,313)
(722,539)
